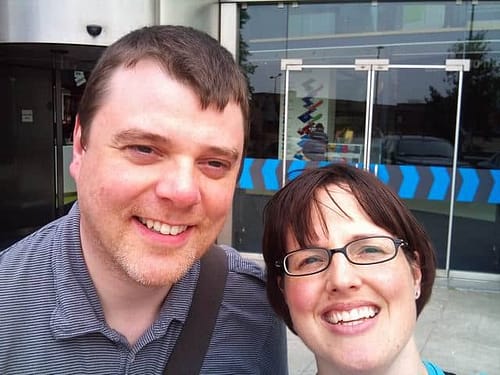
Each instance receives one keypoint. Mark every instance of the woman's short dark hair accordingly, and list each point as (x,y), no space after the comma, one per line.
(289,212)
(189,56)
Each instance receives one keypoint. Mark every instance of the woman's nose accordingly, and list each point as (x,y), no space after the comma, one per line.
(180,184)
(342,274)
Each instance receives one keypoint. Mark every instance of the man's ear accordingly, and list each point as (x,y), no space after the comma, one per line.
(78,150)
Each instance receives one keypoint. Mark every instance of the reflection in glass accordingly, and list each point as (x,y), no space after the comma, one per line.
(326,115)
(414,116)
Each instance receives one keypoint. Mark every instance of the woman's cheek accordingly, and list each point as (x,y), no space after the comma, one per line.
(302,295)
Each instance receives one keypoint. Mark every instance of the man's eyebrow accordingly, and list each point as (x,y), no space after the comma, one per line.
(133,135)
(231,153)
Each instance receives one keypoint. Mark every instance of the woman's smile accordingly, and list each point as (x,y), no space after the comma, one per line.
(351,317)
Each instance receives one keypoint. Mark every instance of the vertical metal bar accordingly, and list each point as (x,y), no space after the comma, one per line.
(157,12)
(454,171)
(368,116)
(285,127)
(59,173)
(369,129)
(229,28)
(228,37)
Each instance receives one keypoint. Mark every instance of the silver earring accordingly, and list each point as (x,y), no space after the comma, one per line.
(417,294)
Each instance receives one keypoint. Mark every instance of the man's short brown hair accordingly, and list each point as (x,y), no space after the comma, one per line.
(187,55)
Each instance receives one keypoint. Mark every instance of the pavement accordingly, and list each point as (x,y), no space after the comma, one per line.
(459,329)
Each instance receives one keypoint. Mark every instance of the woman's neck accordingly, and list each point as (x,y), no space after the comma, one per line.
(407,362)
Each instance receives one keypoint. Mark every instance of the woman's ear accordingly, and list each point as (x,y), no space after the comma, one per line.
(417,273)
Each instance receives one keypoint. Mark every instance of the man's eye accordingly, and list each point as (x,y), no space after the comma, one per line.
(216,164)
(215,169)
(142,149)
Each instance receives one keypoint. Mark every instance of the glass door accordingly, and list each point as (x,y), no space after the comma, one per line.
(399,121)
(325,115)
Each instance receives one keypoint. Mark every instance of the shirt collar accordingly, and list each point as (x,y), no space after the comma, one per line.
(78,309)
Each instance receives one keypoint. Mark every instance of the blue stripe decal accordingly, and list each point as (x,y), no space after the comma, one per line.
(440,184)
(382,174)
(269,174)
(470,184)
(295,169)
(246,181)
(410,181)
(495,190)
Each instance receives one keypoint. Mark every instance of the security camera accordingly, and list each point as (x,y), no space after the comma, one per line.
(94,30)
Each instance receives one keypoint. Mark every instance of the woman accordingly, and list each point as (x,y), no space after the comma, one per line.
(349,271)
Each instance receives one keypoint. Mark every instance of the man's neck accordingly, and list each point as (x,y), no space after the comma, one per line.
(129,308)
(131,311)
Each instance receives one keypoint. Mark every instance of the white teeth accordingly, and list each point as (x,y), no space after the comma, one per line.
(365,312)
(345,316)
(157,226)
(163,228)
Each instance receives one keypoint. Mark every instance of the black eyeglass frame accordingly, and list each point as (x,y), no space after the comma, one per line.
(281,264)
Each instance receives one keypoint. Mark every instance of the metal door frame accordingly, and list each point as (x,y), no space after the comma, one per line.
(372,67)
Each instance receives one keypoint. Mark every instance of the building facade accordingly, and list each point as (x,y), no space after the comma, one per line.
(47,50)
(408,90)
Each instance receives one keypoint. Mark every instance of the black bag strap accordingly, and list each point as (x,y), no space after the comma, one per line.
(192,344)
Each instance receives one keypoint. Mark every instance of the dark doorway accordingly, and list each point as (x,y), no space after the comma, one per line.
(40,87)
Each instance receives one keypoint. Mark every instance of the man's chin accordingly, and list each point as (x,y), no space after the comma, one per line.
(158,274)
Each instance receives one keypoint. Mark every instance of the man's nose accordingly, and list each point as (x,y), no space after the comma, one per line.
(180,183)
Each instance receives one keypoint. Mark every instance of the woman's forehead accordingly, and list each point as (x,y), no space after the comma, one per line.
(334,199)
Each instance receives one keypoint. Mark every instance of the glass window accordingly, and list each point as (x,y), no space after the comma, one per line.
(414,115)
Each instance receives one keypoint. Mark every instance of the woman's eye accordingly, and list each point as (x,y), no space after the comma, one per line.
(311,260)
(371,250)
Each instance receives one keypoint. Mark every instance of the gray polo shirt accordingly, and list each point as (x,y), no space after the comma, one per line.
(51,320)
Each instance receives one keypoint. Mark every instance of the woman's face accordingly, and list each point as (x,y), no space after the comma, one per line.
(354,317)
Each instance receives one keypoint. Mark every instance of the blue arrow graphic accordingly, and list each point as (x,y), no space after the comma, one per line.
(382,174)
(440,185)
(410,181)
(295,169)
(495,190)
(246,176)
(470,183)
(269,174)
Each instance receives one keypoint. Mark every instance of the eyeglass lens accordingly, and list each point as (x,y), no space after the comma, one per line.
(363,251)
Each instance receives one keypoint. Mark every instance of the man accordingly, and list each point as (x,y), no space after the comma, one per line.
(158,144)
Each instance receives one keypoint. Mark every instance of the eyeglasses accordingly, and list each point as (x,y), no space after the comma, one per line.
(364,251)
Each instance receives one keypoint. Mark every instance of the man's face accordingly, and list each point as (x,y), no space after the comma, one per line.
(157,175)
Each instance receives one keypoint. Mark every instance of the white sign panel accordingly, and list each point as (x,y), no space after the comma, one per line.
(26,115)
